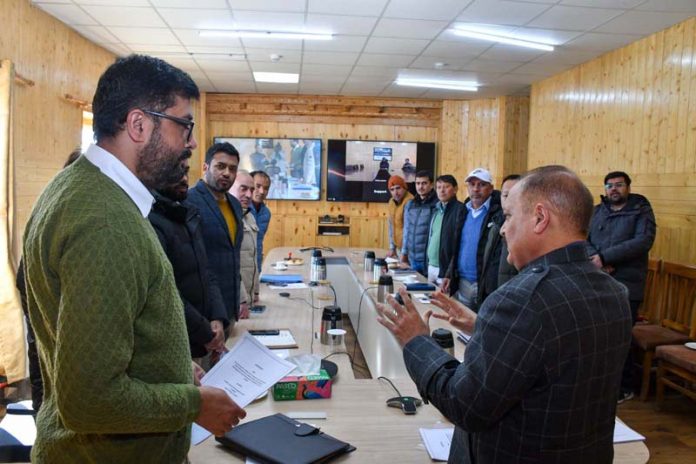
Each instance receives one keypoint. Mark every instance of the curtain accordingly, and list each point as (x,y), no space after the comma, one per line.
(12,340)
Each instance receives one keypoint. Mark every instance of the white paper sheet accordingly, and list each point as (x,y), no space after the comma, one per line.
(437,441)
(248,370)
(624,434)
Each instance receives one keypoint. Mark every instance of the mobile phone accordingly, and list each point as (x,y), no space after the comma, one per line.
(265,332)
(258,309)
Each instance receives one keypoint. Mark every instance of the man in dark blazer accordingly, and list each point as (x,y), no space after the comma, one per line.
(538,380)
(221,216)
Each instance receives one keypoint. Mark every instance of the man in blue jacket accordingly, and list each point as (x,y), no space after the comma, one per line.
(417,216)
(221,216)
(621,235)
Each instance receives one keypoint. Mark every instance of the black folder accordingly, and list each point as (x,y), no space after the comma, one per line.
(278,439)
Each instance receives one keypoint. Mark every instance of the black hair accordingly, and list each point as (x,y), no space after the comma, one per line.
(224,147)
(449,178)
(72,157)
(511,177)
(425,173)
(137,81)
(260,173)
(615,174)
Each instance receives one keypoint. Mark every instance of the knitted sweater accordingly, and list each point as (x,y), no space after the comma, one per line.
(110,327)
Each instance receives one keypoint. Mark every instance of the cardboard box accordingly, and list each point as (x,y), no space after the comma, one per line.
(308,387)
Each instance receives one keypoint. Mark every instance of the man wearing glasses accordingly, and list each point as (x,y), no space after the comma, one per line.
(621,235)
(101,295)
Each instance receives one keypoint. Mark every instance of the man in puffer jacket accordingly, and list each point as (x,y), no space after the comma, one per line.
(243,190)
(622,232)
(417,216)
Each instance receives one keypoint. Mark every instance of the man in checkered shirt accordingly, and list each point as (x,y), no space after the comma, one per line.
(538,382)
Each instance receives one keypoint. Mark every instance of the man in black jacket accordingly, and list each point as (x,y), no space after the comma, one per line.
(440,244)
(178,227)
(622,232)
(481,214)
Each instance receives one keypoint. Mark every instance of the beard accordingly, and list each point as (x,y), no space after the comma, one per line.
(160,166)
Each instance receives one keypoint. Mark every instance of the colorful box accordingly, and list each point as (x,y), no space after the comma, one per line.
(308,387)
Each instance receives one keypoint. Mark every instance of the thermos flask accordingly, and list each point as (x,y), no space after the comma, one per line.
(386,286)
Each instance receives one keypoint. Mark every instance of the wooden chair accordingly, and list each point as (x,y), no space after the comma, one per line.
(678,290)
(677,370)
(650,310)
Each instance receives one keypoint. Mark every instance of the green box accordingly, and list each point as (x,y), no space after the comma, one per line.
(308,387)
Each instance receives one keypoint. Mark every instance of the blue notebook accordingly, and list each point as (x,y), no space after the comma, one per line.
(280,278)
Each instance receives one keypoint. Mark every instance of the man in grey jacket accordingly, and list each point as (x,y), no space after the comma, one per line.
(622,232)
(417,215)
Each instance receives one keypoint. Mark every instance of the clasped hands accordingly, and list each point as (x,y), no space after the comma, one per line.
(406,323)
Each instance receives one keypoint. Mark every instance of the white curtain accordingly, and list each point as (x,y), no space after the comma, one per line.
(12,341)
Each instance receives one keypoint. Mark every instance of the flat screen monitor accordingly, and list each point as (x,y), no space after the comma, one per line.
(358,170)
(293,164)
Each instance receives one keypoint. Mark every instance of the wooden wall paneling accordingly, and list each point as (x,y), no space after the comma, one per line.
(630,109)
(299,231)
(367,232)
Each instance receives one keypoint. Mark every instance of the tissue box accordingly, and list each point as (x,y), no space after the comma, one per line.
(309,387)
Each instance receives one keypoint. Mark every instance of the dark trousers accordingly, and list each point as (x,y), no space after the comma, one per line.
(627,377)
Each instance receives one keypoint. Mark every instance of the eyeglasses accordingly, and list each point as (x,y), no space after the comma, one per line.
(609,185)
(187,123)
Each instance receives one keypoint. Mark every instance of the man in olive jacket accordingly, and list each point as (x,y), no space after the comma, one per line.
(621,235)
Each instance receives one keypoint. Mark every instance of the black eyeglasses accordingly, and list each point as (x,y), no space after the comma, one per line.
(187,123)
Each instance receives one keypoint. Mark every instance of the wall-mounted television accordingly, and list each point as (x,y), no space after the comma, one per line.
(293,164)
(358,170)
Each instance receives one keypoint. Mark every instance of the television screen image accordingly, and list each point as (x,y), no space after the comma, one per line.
(358,170)
(294,165)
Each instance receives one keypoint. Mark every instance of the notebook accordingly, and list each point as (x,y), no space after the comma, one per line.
(284,339)
(278,439)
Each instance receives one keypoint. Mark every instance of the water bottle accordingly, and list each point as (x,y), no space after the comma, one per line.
(313,267)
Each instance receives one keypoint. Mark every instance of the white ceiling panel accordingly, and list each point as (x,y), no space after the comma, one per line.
(481,65)
(333,79)
(330,58)
(574,18)
(124,16)
(374,59)
(264,54)
(280,44)
(318,88)
(264,87)
(267,66)
(428,62)
(265,21)
(36,2)
(230,86)
(192,38)
(503,52)
(113,2)
(69,14)
(338,44)
(348,25)
(375,71)
(191,4)
(118,49)
(547,36)
(619,4)
(461,49)
(153,49)
(217,51)
(326,70)
(599,42)
(397,46)
(184,62)
(674,6)
(502,12)
(97,34)
(352,7)
(542,68)
(217,65)
(443,10)
(273,5)
(197,19)
(643,21)
(400,91)
(409,28)
(138,35)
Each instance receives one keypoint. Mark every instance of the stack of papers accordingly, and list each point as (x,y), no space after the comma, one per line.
(437,442)
(284,339)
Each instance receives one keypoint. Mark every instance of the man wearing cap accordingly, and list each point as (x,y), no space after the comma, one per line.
(481,213)
(395,219)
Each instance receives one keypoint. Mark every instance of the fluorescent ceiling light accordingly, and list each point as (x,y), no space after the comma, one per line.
(466,86)
(278,78)
(502,39)
(266,34)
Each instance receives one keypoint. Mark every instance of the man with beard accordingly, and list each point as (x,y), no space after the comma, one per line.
(622,232)
(178,227)
(417,216)
(221,216)
(119,385)
(400,196)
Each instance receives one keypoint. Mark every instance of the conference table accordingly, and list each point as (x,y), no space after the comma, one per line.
(357,411)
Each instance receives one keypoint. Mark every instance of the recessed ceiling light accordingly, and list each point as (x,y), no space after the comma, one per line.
(278,78)
(502,39)
(266,34)
(448,84)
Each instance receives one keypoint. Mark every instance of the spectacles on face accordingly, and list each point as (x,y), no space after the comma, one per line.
(609,185)
(187,123)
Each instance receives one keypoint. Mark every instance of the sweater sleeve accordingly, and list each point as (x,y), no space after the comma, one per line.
(104,286)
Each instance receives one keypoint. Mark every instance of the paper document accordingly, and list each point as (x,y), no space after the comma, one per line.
(624,434)
(284,339)
(248,370)
(295,286)
(437,442)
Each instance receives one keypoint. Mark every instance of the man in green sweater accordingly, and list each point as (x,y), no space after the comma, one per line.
(101,294)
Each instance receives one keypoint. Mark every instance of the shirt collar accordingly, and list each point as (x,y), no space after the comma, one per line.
(484,207)
(115,170)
